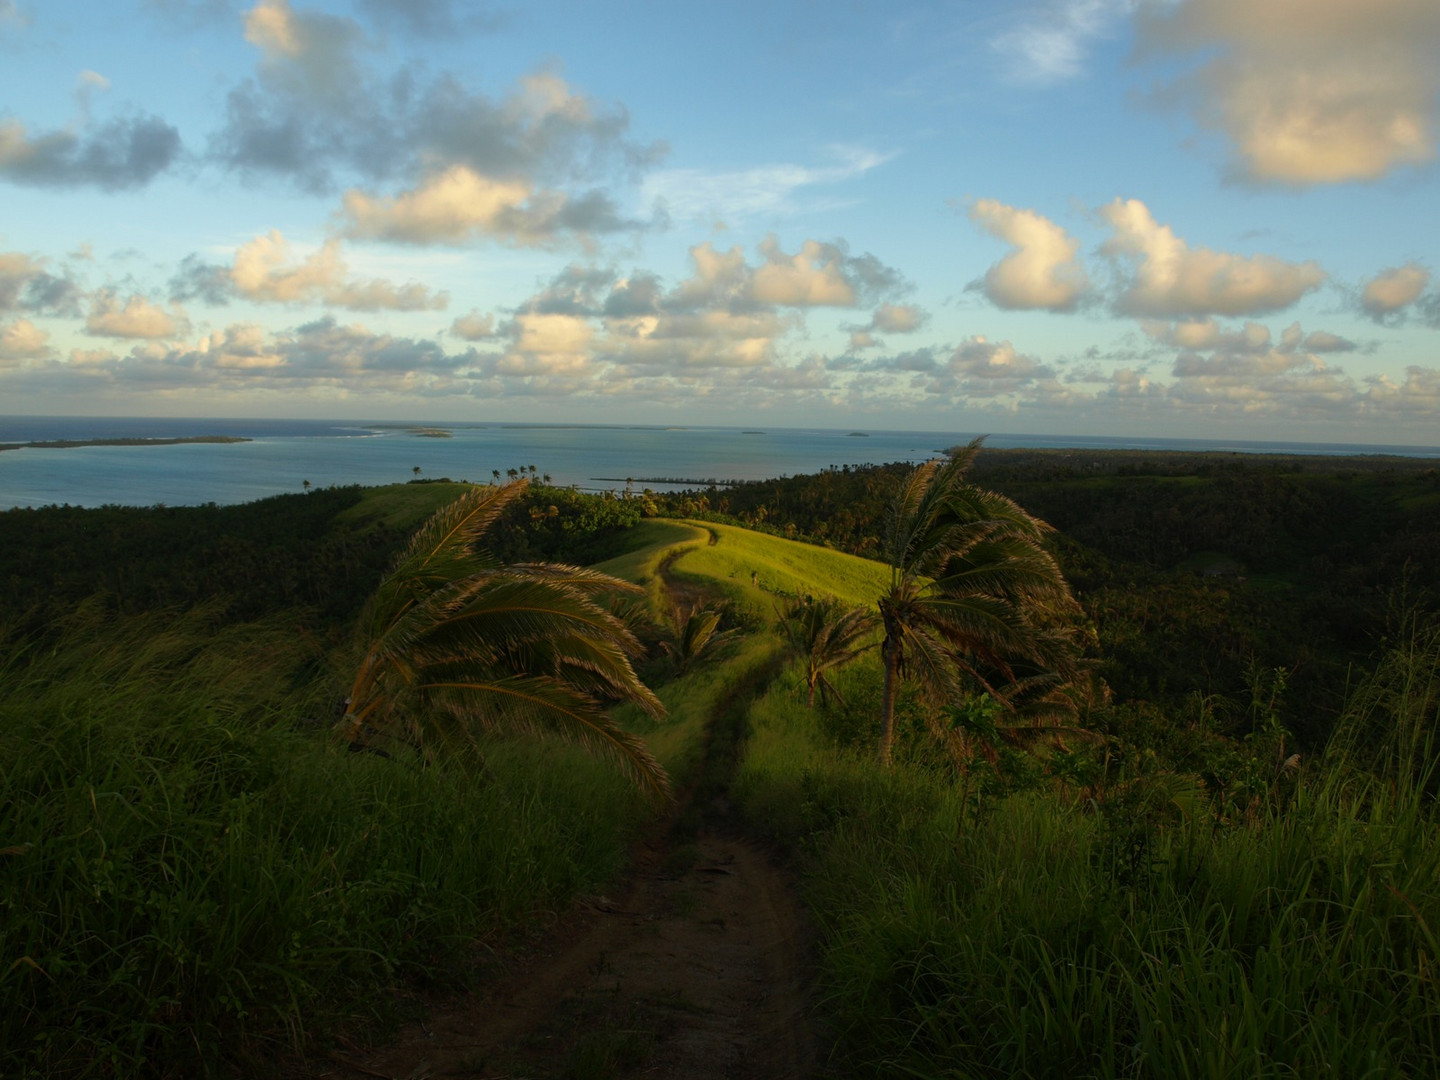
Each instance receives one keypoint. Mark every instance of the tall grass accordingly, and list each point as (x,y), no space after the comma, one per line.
(190,870)
(1022,936)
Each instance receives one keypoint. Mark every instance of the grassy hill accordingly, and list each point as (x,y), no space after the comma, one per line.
(192,872)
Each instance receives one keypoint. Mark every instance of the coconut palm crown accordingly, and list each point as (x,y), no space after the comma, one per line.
(454,645)
(970,586)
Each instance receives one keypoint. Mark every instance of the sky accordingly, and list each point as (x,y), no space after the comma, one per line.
(1182,218)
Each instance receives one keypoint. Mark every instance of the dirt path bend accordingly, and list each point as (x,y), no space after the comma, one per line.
(695,965)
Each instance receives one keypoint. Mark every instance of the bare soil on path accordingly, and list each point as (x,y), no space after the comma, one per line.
(697,965)
(688,971)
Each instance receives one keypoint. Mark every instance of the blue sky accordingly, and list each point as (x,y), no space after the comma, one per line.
(1146,217)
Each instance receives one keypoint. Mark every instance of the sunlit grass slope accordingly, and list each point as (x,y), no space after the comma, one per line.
(759,570)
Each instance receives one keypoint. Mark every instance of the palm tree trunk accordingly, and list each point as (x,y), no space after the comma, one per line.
(890,655)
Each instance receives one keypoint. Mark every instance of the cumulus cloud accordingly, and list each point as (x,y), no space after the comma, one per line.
(991,374)
(899,318)
(318,115)
(1390,291)
(1295,339)
(473,327)
(1043,270)
(818,275)
(1416,397)
(986,368)
(310,53)
(460,205)
(126,152)
(888,319)
(25,285)
(22,340)
(136,318)
(1208,334)
(1252,338)
(727,315)
(812,277)
(1051,43)
(1168,278)
(265,271)
(1310,91)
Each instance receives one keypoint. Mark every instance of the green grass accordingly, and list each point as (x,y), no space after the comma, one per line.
(759,571)
(403,506)
(192,874)
(1031,936)
(190,870)
(650,542)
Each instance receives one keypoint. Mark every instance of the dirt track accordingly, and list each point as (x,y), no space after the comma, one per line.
(695,966)
(690,971)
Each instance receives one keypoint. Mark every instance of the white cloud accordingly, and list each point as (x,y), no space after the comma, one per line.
(1311,91)
(264,271)
(460,205)
(898,318)
(313,51)
(137,318)
(1051,44)
(1043,271)
(1391,290)
(548,344)
(817,275)
(92,80)
(812,277)
(473,327)
(1168,278)
(22,340)
(888,319)
(25,285)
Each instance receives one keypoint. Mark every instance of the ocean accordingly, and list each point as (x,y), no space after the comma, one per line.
(282,455)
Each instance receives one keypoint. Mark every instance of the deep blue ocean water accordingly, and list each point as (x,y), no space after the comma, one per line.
(283,454)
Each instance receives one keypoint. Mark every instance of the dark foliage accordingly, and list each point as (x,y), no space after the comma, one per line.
(277,553)
(549,524)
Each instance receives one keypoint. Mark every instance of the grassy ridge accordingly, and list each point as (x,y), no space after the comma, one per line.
(755,569)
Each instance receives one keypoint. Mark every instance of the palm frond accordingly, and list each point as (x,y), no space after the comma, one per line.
(972,588)
(454,646)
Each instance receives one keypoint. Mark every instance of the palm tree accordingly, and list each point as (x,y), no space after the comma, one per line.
(970,586)
(454,645)
(825,635)
(694,631)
